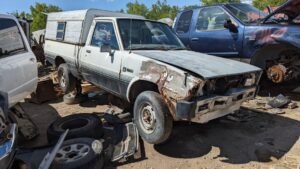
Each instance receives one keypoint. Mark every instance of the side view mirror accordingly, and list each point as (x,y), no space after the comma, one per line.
(106,48)
(230,26)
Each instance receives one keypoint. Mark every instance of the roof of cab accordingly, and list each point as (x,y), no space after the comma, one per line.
(220,4)
(8,16)
(82,14)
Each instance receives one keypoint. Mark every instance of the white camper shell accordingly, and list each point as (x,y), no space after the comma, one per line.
(75,25)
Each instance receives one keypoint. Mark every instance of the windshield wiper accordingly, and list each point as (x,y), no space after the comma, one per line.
(15,50)
(149,48)
(178,48)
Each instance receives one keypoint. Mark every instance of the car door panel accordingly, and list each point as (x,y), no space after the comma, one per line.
(101,68)
(18,70)
(209,36)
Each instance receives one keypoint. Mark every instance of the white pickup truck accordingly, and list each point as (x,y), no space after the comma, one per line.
(145,63)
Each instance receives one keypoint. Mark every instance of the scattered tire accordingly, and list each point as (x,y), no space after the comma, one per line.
(152,117)
(67,81)
(79,125)
(78,153)
(70,98)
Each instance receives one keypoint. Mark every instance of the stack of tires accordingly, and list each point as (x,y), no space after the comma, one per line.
(81,148)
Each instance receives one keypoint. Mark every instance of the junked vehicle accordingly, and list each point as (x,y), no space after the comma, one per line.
(18,78)
(242,32)
(16,56)
(146,64)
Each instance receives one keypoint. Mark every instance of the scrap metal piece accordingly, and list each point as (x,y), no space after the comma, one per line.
(44,92)
(45,164)
(7,146)
(279,101)
(129,145)
(25,125)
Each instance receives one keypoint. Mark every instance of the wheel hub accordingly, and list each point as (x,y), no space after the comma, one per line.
(148,118)
(277,73)
(72,153)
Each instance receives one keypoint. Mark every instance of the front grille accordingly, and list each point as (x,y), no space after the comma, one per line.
(221,85)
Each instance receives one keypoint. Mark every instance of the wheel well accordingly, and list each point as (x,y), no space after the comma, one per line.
(141,86)
(59,60)
(269,52)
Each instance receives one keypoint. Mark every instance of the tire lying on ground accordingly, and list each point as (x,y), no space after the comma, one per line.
(80,153)
(79,125)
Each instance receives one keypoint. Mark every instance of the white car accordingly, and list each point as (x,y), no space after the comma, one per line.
(18,66)
(146,64)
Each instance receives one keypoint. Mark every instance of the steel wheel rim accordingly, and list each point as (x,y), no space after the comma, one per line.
(71,153)
(62,79)
(147,118)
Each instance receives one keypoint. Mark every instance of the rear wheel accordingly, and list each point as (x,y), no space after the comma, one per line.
(67,81)
(152,117)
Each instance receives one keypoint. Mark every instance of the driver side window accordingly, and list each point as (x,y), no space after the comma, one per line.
(104,34)
(211,18)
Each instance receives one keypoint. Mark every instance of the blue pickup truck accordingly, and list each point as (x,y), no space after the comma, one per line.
(242,32)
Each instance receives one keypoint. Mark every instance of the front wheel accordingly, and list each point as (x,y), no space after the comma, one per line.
(152,117)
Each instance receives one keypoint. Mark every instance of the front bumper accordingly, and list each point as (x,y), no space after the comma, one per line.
(208,108)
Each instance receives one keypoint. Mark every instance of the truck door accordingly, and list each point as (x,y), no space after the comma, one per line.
(183,25)
(102,68)
(208,34)
(18,68)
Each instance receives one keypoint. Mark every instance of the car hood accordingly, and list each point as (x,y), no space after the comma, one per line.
(291,8)
(206,66)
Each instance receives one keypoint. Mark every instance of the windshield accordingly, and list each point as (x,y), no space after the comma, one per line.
(147,35)
(246,13)
(10,38)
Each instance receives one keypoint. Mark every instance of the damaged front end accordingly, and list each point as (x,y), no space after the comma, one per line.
(192,97)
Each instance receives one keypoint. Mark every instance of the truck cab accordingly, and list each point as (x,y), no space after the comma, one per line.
(244,33)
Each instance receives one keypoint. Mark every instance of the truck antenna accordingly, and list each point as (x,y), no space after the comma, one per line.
(130,33)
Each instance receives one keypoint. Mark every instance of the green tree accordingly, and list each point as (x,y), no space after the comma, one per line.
(22,15)
(190,7)
(262,4)
(210,2)
(137,8)
(162,10)
(39,16)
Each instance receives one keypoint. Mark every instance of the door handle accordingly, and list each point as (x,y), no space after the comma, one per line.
(88,51)
(195,39)
(32,59)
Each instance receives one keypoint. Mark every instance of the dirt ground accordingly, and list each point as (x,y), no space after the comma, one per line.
(248,139)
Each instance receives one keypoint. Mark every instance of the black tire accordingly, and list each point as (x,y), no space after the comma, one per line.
(73,159)
(163,122)
(67,81)
(79,125)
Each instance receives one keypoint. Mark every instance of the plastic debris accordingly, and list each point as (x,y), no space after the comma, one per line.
(279,101)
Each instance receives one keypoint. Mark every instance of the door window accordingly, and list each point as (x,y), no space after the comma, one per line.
(211,18)
(184,22)
(104,34)
(11,41)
